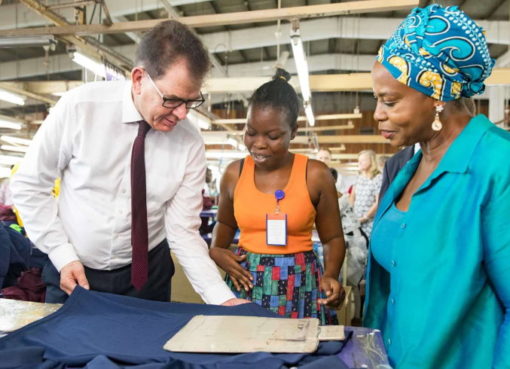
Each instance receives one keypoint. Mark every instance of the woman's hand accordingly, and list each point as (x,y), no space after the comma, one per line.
(363,219)
(230,263)
(333,290)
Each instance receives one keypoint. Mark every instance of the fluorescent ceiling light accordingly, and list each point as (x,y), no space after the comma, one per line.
(300,119)
(99,69)
(335,116)
(302,71)
(301,65)
(230,121)
(12,97)
(10,160)
(325,128)
(14,148)
(340,148)
(15,140)
(309,114)
(199,120)
(26,41)
(7,123)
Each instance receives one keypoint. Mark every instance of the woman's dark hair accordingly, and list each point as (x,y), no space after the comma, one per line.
(278,94)
(165,44)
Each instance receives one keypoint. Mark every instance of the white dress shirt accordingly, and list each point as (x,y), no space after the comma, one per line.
(87,140)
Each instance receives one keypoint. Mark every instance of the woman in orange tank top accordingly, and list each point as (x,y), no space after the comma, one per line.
(274,197)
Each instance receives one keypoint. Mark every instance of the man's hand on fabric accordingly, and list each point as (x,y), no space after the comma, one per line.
(71,275)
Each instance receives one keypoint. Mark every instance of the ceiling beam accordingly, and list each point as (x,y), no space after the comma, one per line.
(222,19)
(326,128)
(318,83)
(497,32)
(50,87)
(504,60)
(16,16)
(310,30)
(342,139)
(89,46)
(219,137)
(62,63)
(21,89)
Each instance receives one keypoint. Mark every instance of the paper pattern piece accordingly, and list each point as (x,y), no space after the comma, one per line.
(15,314)
(239,334)
(331,333)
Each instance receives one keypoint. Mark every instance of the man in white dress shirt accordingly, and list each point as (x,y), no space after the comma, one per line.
(87,141)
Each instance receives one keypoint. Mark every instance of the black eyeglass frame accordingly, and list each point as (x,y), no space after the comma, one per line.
(174,103)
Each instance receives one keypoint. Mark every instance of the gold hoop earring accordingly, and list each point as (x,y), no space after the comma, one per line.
(436,124)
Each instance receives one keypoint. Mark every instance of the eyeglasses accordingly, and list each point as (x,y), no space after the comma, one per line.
(174,103)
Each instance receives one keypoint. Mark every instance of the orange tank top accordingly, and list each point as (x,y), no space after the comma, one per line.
(252,205)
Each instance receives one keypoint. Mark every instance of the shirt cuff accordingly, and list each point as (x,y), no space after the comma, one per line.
(218,294)
(62,255)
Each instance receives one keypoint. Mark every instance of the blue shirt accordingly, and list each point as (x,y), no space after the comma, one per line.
(384,238)
(445,302)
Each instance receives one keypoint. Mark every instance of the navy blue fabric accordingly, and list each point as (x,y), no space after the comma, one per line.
(15,252)
(101,330)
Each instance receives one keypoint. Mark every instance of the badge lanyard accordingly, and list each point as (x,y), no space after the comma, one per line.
(276,224)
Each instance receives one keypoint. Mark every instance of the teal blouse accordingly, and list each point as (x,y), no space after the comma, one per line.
(445,303)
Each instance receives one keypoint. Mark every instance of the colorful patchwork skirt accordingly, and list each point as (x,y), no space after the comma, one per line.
(287,284)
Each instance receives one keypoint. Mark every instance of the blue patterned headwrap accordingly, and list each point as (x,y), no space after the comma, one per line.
(440,52)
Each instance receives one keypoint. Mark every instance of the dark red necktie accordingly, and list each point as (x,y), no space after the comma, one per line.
(139,232)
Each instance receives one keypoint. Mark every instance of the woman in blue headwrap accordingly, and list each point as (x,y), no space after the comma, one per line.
(439,271)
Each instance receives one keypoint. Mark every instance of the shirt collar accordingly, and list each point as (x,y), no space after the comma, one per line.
(456,160)
(458,155)
(129,111)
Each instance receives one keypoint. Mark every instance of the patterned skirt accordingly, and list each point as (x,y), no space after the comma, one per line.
(287,284)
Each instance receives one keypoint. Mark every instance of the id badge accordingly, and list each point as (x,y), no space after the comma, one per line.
(276,229)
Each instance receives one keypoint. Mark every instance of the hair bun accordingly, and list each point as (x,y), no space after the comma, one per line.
(281,74)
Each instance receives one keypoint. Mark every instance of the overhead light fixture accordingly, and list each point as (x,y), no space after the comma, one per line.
(325,128)
(302,70)
(199,120)
(12,97)
(15,140)
(6,122)
(99,69)
(16,41)
(334,116)
(14,148)
(230,121)
(309,114)
(300,119)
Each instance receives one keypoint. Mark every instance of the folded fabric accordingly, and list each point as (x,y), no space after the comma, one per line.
(100,330)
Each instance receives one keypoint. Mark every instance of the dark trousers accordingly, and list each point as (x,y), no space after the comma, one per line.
(118,281)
